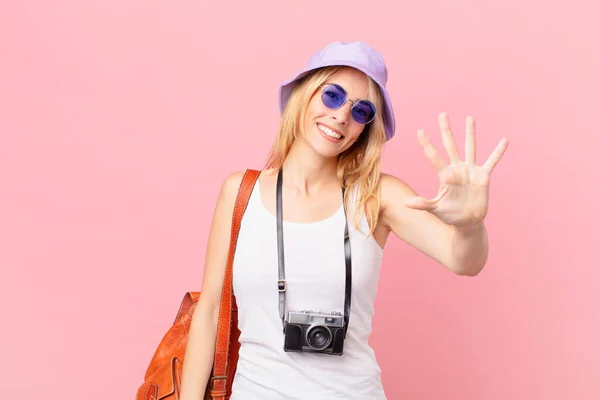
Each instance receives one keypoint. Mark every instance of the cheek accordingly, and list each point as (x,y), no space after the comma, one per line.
(314,111)
(355,130)
(316,107)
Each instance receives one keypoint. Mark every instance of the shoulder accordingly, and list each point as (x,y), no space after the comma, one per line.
(230,187)
(232,182)
(393,189)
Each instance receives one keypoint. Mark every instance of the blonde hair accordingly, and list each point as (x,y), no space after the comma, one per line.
(358,166)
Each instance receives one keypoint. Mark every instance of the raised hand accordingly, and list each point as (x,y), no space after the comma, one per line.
(463,194)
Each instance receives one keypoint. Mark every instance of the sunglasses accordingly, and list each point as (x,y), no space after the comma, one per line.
(334,96)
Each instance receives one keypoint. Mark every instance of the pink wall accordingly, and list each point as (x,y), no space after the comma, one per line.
(114,119)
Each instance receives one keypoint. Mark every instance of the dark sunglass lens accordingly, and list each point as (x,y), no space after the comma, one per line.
(363,112)
(333,96)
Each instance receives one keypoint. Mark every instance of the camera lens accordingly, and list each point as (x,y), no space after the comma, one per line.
(318,337)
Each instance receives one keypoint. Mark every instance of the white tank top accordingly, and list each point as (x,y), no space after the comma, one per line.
(315,274)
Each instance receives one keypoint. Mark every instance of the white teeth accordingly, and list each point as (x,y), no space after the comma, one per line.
(329,132)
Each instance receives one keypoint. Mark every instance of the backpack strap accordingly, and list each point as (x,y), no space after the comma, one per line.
(218,384)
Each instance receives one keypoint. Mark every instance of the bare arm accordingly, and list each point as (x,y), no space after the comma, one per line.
(449,228)
(461,250)
(199,354)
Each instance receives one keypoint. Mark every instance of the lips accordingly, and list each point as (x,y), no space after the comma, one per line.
(330,132)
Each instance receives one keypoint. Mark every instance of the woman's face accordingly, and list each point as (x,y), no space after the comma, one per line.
(328,131)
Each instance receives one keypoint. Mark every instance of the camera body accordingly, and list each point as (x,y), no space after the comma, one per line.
(314,332)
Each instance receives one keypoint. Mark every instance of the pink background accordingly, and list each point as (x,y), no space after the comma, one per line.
(115,119)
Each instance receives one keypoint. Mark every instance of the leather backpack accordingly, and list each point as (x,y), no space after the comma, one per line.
(163,376)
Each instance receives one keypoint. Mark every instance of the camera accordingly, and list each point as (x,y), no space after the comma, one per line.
(315,332)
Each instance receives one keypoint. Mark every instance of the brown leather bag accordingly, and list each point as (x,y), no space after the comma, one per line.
(163,376)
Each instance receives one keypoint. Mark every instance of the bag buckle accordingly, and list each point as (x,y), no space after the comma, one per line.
(214,378)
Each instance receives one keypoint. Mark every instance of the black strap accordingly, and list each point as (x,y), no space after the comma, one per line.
(282,284)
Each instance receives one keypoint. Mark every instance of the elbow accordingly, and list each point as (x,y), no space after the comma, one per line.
(207,312)
(471,269)
(472,272)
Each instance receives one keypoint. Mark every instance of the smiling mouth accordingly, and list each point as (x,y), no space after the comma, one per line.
(331,133)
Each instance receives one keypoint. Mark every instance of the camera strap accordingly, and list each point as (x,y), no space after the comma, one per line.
(282,284)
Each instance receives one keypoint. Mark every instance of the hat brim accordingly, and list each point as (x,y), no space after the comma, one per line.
(285,90)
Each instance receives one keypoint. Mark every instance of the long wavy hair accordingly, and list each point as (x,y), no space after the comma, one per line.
(358,166)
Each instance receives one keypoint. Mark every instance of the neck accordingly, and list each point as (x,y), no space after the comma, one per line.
(305,171)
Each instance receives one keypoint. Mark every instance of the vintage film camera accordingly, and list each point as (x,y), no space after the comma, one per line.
(314,331)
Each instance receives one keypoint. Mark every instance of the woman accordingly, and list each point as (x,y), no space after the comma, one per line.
(325,165)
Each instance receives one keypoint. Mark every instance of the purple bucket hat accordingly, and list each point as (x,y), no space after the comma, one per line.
(352,54)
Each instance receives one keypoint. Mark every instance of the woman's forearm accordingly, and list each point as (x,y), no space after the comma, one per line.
(469,249)
(199,353)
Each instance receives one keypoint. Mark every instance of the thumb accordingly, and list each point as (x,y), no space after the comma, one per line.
(421,203)
(418,203)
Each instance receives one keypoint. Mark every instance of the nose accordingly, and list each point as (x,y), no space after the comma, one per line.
(342,114)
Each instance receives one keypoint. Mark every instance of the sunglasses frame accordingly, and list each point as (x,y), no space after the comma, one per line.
(339,87)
